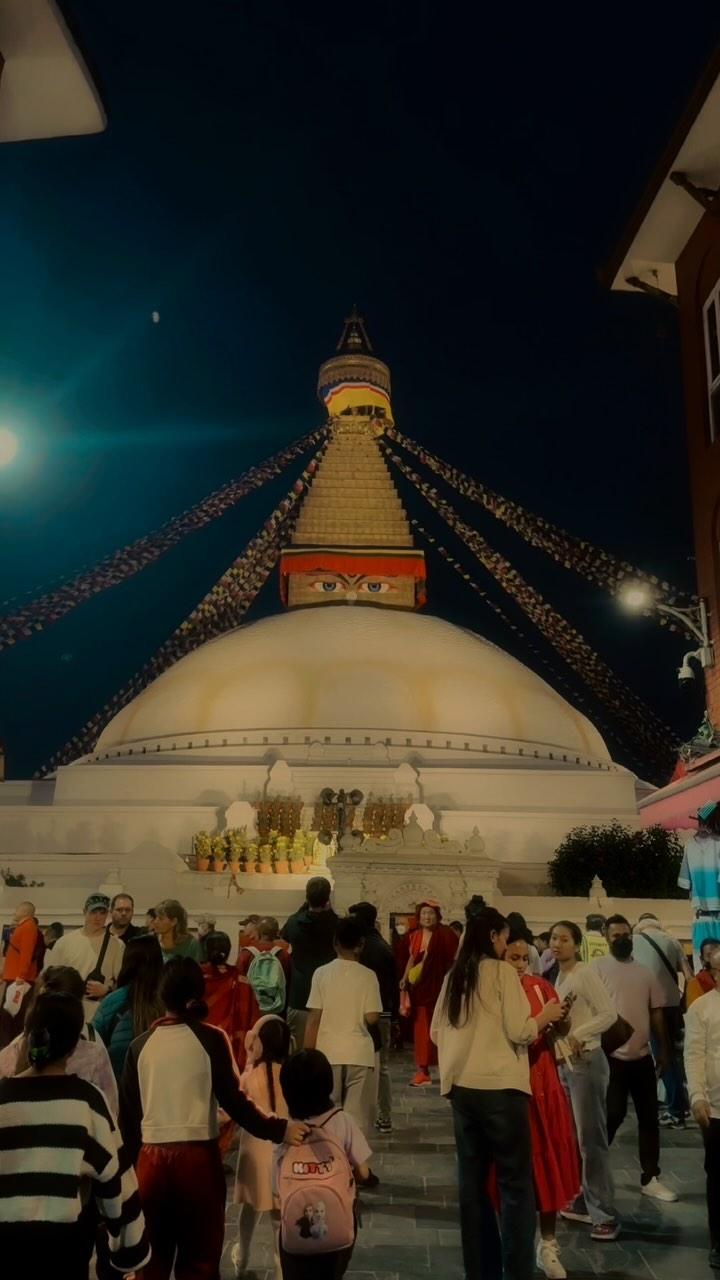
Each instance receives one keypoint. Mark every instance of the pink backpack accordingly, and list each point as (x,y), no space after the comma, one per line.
(317,1196)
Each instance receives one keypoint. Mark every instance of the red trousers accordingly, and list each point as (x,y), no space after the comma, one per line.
(182,1192)
(425,1050)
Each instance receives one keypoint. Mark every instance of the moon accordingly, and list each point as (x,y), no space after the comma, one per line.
(9,446)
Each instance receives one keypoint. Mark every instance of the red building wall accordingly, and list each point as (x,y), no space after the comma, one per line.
(698,271)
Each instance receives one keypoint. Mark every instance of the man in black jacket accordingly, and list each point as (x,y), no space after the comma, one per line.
(378,956)
(311,934)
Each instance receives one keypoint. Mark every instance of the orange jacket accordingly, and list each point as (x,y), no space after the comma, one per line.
(19,962)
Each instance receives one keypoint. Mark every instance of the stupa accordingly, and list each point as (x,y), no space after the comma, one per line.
(411,756)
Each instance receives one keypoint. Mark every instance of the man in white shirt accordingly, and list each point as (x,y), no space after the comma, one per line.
(638,998)
(93,951)
(702,1067)
(344,1003)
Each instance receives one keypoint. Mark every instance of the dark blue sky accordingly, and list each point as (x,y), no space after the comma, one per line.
(461,177)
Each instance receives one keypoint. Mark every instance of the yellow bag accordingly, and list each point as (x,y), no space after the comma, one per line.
(415,974)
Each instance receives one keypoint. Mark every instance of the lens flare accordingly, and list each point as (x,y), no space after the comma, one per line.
(9,446)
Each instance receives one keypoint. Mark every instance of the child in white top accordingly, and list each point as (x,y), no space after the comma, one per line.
(307,1084)
(267,1046)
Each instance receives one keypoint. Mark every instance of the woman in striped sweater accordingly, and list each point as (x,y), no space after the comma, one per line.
(62,1166)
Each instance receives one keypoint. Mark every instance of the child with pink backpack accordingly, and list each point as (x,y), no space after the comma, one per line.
(316,1182)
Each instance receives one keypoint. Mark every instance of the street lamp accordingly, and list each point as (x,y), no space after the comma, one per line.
(638,597)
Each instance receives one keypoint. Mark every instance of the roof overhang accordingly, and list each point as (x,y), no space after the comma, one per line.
(46,89)
(672,806)
(667,215)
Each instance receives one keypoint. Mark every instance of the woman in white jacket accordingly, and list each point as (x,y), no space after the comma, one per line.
(482,1027)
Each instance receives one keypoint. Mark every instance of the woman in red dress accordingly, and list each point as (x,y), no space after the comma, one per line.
(432,948)
(556,1169)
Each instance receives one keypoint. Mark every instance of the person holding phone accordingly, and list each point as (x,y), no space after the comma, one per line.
(585,1075)
(555,1165)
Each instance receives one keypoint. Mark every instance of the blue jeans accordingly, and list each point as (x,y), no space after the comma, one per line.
(673,1077)
(586,1086)
(492,1126)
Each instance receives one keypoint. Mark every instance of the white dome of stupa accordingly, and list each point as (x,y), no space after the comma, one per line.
(356,676)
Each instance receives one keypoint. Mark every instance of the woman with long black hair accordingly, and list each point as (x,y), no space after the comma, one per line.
(175,1077)
(482,1027)
(132,1008)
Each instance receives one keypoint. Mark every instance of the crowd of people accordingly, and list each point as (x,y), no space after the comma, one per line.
(138,1063)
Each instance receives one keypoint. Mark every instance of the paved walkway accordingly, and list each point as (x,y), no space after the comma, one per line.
(410,1224)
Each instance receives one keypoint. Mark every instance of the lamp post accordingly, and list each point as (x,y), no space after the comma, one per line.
(638,597)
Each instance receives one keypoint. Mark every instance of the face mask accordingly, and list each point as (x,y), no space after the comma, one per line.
(621,948)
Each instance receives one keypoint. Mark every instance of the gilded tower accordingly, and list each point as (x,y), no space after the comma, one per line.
(352,542)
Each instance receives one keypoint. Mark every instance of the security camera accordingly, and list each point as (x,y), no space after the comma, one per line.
(686,673)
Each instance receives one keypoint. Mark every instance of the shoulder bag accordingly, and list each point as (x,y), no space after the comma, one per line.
(97,974)
(668,966)
(616,1036)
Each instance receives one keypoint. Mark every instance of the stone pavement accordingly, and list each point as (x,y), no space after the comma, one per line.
(410,1223)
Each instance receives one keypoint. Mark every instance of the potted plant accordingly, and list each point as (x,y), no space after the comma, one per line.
(235,848)
(307,849)
(201,849)
(265,860)
(251,855)
(296,861)
(217,844)
(281,856)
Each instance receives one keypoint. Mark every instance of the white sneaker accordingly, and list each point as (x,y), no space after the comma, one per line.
(547,1260)
(239,1263)
(658,1191)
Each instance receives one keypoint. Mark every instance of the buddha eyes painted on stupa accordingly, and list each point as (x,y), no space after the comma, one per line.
(350,587)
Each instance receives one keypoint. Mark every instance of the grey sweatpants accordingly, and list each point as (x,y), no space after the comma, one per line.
(354,1091)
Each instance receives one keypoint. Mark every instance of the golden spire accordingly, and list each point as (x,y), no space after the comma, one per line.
(352,542)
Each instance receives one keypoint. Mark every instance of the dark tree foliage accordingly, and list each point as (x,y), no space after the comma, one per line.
(631,864)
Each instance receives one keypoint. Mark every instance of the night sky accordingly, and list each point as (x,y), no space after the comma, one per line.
(265,166)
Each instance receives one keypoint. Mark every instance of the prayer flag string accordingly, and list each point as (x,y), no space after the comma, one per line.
(572,553)
(124,563)
(639,720)
(223,608)
(558,678)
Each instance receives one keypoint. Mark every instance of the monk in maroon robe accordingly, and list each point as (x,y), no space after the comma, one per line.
(432,951)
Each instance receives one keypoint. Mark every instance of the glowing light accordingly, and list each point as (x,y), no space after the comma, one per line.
(635,596)
(9,446)
(156,317)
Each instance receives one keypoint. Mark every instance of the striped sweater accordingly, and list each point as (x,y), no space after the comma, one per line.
(61,1167)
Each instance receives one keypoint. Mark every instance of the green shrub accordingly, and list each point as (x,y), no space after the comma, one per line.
(631,864)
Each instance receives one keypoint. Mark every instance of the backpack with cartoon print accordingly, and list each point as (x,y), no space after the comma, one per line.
(317,1196)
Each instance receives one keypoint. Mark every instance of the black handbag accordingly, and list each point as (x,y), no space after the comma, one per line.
(616,1036)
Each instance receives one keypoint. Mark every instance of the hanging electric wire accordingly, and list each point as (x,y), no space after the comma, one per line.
(124,563)
(223,608)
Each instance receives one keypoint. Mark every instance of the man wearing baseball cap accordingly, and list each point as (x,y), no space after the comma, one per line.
(93,951)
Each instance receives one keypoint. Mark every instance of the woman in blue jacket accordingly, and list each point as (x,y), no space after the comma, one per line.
(135,1004)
